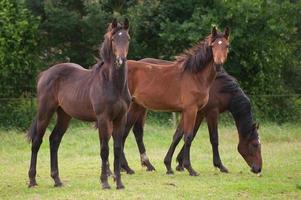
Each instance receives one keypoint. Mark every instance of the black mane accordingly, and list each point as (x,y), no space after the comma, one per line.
(105,50)
(239,106)
(197,57)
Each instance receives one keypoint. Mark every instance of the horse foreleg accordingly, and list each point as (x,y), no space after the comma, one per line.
(55,139)
(105,128)
(212,118)
(189,118)
(198,122)
(118,128)
(176,139)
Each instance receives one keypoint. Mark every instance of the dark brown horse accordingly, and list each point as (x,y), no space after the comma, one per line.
(182,86)
(225,95)
(100,94)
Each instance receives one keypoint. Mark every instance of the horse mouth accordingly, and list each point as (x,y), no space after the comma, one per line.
(256,170)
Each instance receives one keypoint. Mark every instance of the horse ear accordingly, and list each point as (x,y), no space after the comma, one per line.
(227,32)
(214,31)
(126,24)
(114,23)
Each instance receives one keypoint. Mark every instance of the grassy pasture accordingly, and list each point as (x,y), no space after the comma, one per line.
(79,165)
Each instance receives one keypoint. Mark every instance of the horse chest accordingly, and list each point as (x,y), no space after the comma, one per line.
(110,104)
(197,100)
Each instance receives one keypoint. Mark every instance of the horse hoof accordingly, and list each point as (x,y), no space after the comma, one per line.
(169,172)
(180,168)
(119,187)
(150,168)
(127,169)
(106,186)
(148,165)
(224,169)
(221,168)
(59,184)
(130,171)
(193,173)
(32,184)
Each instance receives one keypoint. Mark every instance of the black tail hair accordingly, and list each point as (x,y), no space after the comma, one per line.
(32,130)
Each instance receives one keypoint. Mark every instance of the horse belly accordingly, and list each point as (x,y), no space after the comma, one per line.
(78,109)
(158,103)
(156,88)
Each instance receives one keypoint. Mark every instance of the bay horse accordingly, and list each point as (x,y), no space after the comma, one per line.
(100,94)
(182,86)
(225,95)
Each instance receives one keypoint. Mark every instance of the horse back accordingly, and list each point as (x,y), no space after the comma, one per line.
(60,71)
(67,85)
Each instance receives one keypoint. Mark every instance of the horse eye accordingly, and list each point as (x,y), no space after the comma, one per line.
(255,145)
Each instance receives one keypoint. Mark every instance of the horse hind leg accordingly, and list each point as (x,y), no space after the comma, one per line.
(176,139)
(212,120)
(129,124)
(36,134)
(139,132)
(134,114)
(55,138)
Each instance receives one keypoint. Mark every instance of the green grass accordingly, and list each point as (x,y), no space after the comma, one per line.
(79,165)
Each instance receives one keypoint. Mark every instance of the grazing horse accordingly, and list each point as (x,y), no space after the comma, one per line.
(100,94)
(182,86)
(225,94)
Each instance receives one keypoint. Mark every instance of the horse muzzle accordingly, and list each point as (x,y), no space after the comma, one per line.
(120,61)
(255,169)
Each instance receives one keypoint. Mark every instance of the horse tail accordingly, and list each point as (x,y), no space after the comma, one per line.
(32,132)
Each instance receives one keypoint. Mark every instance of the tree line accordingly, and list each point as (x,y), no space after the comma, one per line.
(264,53)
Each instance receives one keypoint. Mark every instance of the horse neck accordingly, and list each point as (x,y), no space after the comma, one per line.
(116,76)
(243,122)
(211,72)
(119,77)
(208,73)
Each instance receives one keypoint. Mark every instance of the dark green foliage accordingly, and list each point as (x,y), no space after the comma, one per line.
(265,41)
(19,49)
(19,61)
(17,112)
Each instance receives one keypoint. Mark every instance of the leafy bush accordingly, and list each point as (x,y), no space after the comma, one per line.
(19,49)
(17,113)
